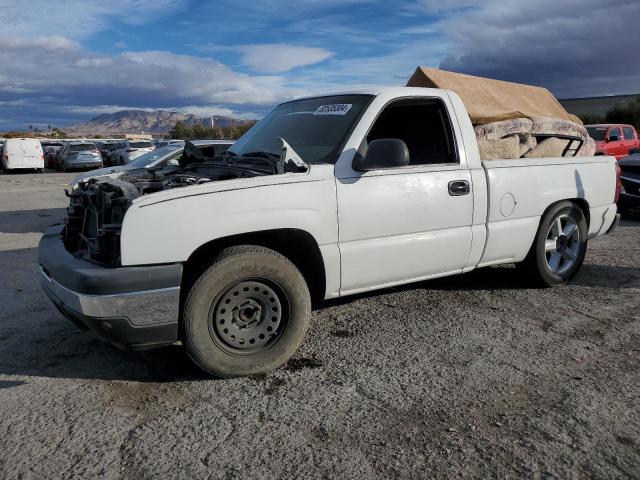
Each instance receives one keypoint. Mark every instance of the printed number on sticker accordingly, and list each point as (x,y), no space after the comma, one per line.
(334,109)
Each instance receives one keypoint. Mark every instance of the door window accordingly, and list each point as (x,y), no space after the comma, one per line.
(423,125)
(628,133)
(615,132)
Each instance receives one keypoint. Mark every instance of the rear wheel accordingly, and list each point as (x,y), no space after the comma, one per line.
(560,245)
(247,313)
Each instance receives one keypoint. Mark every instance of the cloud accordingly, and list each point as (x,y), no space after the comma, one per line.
(281,57)
(43,80)
(42,43)
(158,77)
(121,45)
(274,57)
(574,47)
(78,18)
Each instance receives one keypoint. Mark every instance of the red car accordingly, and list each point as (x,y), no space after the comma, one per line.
(614,139)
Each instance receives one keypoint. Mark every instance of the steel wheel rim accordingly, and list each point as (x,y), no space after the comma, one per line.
(249,316)
(562,245)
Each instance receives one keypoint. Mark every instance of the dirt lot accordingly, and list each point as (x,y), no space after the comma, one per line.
(472,376)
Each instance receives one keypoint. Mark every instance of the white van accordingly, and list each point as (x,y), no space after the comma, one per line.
(22,153)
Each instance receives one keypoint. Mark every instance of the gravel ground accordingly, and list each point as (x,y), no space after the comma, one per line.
(471,376)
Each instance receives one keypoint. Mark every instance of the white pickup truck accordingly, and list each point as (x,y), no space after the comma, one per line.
(324,197)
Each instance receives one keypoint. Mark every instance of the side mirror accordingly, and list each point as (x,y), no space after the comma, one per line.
(383,153)
(613,138)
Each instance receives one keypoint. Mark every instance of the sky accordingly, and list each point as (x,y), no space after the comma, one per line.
(65,61)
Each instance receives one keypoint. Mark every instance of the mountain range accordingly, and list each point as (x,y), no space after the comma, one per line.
(138,121)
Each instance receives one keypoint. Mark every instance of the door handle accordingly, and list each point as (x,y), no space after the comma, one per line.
(459,187)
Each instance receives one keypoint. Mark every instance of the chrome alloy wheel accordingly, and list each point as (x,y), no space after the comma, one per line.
(248,316)
(562,245)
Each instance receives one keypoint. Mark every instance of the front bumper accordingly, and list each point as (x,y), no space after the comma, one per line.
(132,307)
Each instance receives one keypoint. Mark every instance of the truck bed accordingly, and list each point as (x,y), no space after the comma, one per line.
(519,191)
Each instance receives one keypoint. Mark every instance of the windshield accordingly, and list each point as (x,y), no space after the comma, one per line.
(140,144)
(150,158)
(597,133)
(82,147)
(316,128)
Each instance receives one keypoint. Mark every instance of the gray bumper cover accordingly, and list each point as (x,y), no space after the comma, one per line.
(132,307)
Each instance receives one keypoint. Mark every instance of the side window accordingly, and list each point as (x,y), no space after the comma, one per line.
(423,125)
(628,133)
(174,159)
(615,132)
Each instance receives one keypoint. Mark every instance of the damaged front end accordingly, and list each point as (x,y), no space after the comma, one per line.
(94,219)
(98,205)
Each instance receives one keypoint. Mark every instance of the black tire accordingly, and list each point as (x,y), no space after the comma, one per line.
(210,348)
(537,263)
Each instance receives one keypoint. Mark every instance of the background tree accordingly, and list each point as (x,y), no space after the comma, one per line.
(627,113)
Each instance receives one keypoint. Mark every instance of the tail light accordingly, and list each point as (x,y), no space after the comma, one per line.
(618,183)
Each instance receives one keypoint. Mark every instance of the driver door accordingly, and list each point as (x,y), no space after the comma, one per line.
(402,224)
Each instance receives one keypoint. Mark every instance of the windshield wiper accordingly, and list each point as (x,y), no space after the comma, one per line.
(228,153)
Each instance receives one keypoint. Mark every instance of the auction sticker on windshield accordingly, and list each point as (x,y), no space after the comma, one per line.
(334,109)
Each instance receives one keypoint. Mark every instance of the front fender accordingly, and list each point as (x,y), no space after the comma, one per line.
(169,229)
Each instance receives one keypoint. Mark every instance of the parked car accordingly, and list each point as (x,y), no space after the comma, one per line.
(160,158)
(50,149)
(164,143)
(105,148)
(22,153)
(129,150)
(630,178)
(325,197)
(50,154)
(78,155)
(618,140)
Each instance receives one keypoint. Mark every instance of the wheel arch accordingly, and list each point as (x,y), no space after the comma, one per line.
(297,245)
(581,203)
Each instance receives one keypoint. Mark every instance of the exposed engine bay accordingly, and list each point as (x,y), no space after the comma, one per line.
(97,207)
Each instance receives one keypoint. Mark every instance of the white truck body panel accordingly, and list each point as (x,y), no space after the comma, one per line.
(382,227)
(168,226)
(520,192)
(22,153)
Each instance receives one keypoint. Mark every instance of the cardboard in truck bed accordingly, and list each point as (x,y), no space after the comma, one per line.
(488,100)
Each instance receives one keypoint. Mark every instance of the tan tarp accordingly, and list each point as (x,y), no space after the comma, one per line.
(489,100)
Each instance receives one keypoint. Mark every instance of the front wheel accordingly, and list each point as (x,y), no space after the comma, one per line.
(560,245)
(247,313)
